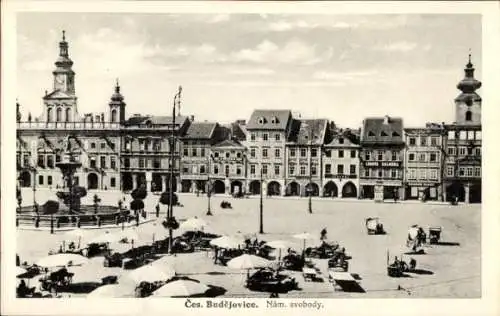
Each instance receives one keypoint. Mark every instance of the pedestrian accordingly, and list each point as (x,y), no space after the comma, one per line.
(323,234)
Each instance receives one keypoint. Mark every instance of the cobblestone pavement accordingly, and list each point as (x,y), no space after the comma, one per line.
(453,270)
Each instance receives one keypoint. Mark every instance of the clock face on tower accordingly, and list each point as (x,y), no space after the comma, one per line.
(60,82)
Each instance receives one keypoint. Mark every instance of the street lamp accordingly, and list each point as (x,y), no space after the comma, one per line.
(261,205)
(170,211)
(309,188)
(33,163)
(209,184)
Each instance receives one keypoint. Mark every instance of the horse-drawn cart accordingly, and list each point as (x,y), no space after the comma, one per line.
(434,234)
(373,226)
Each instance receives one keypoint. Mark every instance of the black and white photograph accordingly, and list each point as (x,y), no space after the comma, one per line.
(211,157)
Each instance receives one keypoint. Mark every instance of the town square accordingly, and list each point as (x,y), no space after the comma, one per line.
(135,187)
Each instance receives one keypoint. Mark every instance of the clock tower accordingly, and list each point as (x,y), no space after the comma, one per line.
(64,76)
(60,104)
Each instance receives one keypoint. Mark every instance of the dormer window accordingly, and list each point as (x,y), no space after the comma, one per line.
(395,134)
(383,134)
(261,120)
(341,140)
(370,133)
(274,120)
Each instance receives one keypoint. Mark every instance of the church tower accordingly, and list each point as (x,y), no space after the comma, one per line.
(468,102)
(117,106)
(60,104)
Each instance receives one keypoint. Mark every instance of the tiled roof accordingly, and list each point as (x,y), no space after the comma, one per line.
(238,131)
(350,138)
(269,119)
(154,120)
(382,130)
(200,130)
(302,129)
(229,143)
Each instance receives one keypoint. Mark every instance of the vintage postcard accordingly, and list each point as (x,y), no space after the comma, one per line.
(214,157)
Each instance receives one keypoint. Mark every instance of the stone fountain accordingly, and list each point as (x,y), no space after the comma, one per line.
(69,199)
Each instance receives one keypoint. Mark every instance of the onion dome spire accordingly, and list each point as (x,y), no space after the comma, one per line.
(468,85)
(63,61)
(117,97)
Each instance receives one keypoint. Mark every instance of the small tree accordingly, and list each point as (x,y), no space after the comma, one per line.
(137,205)
(50,207)
(138,195)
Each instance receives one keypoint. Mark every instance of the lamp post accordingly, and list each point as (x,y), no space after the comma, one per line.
(309,188)
(35,208)
(209,184)
(261,205)
(170,211)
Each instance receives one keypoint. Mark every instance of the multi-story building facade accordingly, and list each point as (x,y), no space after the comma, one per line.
(229,167)
(267,133)
(289,156)
(463,162)
(146,153)
(424,159)
(381,158)
(197,144)
(341,164)
(93,139)
(303,158)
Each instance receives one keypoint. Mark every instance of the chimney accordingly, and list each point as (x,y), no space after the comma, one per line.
(386,119)
(241,122)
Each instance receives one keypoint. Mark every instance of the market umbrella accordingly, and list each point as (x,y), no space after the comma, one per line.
(61,260)
(20,271)
(226,242)
(194,224)
(279,244)
(120,290)
(247,262)
(76,233)
(304,237)
(150,273)
(181,288)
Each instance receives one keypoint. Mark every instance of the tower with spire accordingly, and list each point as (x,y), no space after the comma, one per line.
(468,102)
(60,104)
(117,106)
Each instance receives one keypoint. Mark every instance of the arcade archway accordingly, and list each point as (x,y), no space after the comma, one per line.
(273,188)
(349,190)
(293,189)
(312,189)
(25,179)
(218,187)
(330,189)
(254,187)
(92,181)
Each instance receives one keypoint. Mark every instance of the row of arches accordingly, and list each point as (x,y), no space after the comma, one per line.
(294,189)
(59,115)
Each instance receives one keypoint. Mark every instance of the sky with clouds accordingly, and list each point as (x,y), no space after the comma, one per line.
(339,67)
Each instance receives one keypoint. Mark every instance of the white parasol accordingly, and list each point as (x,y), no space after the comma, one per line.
(181,288)
(279,244)
(226,242)
(120,290)
(20,271)
(61,260)
(194,224)
(247,262)
(305,236)
(150,273)
(78,234)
